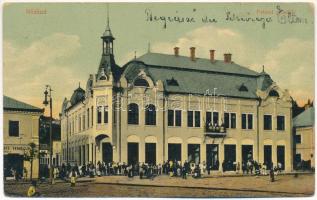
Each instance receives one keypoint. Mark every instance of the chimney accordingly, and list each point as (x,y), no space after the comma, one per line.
(227,57)
(192,53)
(212,55)
(176,51)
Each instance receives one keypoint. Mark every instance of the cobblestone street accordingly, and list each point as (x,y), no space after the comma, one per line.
(164,186)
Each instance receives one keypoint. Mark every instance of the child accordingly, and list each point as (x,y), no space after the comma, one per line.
(32,190)
(73,176)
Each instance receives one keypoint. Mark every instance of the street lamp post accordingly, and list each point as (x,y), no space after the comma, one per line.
(48,93)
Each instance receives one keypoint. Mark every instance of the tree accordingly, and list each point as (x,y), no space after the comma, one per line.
(29,155)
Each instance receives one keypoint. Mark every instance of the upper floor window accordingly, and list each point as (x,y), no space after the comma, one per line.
(243,88)
(193,118)
(230,120)
(88,125)
(267,122)
(79,123)
(84,124)
(280,123)
(298,139)
(172,82)
(105,114)
(247,121)
(141,82)
(212,118)
(99,109)
(150,115)
(133,113)
(273,93)
(14,128)
(92,115)
(174,118)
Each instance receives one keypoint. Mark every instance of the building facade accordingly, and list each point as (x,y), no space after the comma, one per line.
(160,107)
(45,144)
(20,128)
(304,138)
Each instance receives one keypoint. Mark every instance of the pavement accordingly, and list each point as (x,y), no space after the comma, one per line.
(226,185)
(286,183)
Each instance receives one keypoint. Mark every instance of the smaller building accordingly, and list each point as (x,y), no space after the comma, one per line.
(20,129)
(45,144)
(304,139)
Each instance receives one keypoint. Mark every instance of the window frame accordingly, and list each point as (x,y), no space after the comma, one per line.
(137,121)
(105,114)
(18,128)
(193,123)
(247,121)
(300,139)
(230,120)
(271,128)
(284,124)
(174,118)
(148,117)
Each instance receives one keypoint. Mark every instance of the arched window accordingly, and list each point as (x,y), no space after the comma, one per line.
(141,82)
(273,93)
(150,115)
(133,113)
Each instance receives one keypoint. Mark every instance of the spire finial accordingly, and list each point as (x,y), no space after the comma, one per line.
(263,68)
(134,54)
(79,84)
(149,48)
(108,15)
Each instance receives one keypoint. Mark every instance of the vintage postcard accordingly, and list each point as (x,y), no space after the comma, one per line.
(196,99)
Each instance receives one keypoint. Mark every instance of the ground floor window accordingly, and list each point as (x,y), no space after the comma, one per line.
(133,153)
(268,156)
(281,156)
(247,153)
(212,154)
(107,154)
(13,162)
(174,152)
(150,153)
(194,153)
(229,158)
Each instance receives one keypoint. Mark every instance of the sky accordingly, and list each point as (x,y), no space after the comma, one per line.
(59,43)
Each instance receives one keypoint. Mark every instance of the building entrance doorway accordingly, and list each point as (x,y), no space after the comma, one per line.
(175,152)
(194,153)
(247,153)
(212,156)
(13,161)
(133,153)
(107,155)
(281,156)
(230,157)
(150,153)
(268,156)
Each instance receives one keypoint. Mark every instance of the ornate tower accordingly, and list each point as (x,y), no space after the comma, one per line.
(108,65)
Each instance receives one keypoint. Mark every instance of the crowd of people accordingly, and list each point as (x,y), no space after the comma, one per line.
(171,168)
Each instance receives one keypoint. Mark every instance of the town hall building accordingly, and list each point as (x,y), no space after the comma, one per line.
(160,107)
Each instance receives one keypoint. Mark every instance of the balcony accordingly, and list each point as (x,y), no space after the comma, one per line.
(215,131)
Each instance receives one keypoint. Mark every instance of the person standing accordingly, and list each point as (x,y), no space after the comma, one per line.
(184,172)
(238,168)
(73,177)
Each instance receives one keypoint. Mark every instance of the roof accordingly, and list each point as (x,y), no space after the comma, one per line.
(198,77)
(305,119)
(184,62)
(78,96)
(15,105)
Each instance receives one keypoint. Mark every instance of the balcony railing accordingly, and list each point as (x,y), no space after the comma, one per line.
(215,130)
